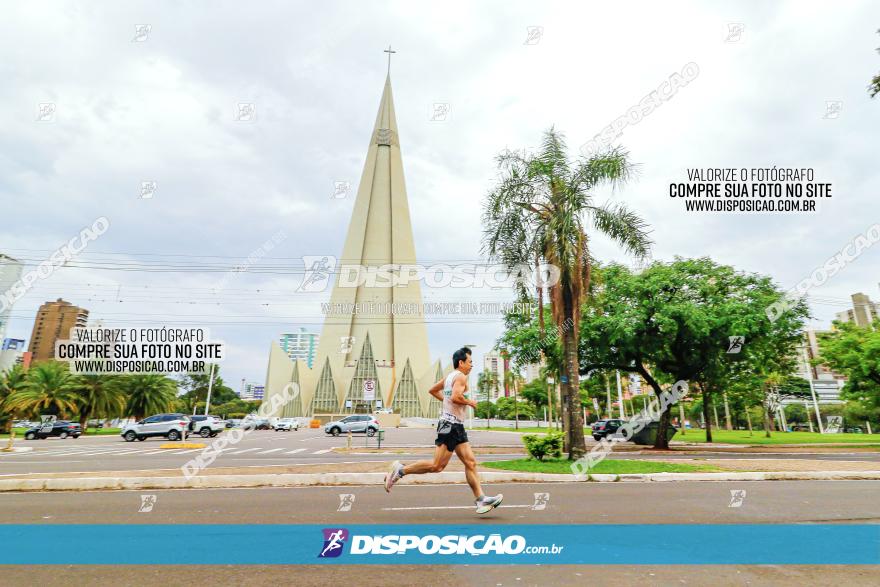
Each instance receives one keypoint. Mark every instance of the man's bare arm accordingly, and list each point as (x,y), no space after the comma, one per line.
(458,388)
(436,388)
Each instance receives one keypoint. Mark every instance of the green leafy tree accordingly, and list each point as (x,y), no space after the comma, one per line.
(854,352)
(487,410)
(673,321)
(49,388)
(147,394)
(195,387)
(11,381)
(547,204)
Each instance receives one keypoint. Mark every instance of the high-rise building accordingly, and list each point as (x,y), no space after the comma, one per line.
(53,322)
(533,371)
(826,383)
(10,272)
(13,352)
(253,391)
(379,356)
(494,363)
(863,312)
(300,345)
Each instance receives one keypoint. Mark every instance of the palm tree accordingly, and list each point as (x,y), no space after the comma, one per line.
(11,381)
(49,387)
(147,394)
(99,397)
(546,203)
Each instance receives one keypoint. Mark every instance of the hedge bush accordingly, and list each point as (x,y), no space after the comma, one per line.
(543,445)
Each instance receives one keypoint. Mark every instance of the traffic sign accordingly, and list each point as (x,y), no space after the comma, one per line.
(369,389)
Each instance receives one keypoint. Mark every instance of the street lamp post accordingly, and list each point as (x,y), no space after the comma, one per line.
(468,377)
(816,406)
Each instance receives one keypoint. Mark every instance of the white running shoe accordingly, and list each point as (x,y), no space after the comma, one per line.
(488,503)
(393,475)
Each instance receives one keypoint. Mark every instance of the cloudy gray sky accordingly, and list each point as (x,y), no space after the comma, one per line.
(161,107)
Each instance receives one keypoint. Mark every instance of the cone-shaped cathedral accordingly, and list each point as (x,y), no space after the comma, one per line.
(388,348)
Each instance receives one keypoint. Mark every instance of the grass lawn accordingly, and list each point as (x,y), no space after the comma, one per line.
(524,429)
(757,437)
(607,466)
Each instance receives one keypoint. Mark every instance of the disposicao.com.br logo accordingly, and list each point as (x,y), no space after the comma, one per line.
(450,544)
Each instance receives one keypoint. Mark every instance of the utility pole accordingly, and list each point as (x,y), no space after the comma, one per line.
(816,405)
(620,396)
(210,385)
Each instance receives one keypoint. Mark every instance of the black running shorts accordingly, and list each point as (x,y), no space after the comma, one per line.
(450,434)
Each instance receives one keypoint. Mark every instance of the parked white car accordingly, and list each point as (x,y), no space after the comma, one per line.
(287,424)
(171,426)
(206,426)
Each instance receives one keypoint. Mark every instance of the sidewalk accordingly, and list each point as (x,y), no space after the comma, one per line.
(372,473)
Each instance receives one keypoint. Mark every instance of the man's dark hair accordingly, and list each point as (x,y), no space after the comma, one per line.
(460,356)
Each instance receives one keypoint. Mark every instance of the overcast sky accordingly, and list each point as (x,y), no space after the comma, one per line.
(160,106)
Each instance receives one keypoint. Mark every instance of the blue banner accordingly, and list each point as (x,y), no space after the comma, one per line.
(611,544)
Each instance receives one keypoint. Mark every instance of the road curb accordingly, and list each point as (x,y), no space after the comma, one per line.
(337,479)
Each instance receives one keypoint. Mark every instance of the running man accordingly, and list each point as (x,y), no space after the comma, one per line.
(451,436)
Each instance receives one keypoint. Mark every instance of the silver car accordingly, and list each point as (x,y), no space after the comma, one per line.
(171,426)
(356,423)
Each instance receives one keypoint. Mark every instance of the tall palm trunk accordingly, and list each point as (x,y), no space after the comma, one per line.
(574,423)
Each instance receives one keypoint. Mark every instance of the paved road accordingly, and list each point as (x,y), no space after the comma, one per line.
(765,502)
(307,446)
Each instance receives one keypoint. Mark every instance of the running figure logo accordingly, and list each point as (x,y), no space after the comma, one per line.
(737,497)
(541,500)
(735,344)
(147,503)
(317,273)
(346,500)
(334,540)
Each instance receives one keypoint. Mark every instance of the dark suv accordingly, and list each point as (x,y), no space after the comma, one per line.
(604,428)
(59,428)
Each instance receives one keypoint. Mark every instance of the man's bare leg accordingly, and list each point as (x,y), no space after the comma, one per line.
(396,470)
(466,456)
(441,459)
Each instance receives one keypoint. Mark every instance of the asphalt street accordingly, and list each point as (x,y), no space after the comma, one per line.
(306,446)
(841,502)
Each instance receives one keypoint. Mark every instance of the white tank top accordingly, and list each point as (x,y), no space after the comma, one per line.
(453,411)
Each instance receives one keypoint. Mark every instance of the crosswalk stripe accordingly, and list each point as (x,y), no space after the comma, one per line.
(293,452)
(239,452)
(320,452)
(265,452)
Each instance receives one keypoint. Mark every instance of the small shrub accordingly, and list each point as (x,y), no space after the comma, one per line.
(543,445)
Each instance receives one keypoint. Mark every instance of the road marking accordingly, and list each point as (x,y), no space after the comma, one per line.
(265,452)
(293,452)
(320,452)
(238,452)
(183,452)
(453,507)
